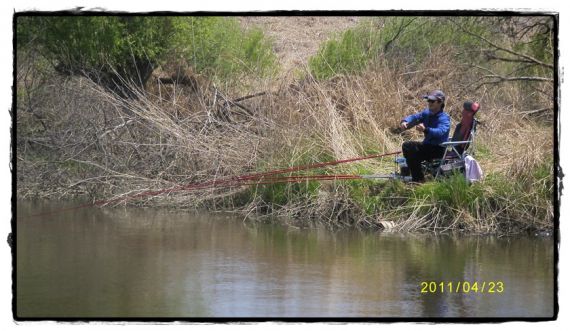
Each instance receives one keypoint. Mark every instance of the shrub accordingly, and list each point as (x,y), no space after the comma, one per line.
(104,48)
(399,39)
(218,47)
(348,53)
(121,50)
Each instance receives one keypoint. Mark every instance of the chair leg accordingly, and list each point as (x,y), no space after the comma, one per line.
(441,163)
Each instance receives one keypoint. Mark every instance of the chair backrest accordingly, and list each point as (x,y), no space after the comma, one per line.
(466,128)
(467,134)
(462,139)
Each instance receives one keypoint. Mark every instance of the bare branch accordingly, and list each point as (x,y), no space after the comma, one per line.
(506,59)
(510,51)
(510,79)
(536,111)
(401,28)
(487,70)
(249,96)
(115,128)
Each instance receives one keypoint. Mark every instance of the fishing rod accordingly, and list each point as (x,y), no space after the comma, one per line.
(310,166)
(258,178)
(252,176)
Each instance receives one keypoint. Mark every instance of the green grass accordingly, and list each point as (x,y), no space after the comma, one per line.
(454,192)
(482,152)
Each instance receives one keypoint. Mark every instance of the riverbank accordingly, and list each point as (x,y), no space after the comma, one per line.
(78,138)
(161,146)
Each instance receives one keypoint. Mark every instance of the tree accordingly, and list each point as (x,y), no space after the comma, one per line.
(520,51)
(114,51)
(119,52)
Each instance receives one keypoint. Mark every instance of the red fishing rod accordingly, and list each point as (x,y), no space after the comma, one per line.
(259,178)
(234,179)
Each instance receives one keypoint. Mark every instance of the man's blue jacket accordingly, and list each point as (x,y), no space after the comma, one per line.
(437,126)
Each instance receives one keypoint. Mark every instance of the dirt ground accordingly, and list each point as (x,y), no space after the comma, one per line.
(296,38)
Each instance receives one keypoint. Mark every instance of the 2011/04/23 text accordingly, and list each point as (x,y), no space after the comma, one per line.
(494,287)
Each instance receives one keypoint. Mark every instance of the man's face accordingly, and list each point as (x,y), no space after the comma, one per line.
(434,106)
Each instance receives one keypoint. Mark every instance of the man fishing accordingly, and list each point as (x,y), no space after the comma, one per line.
(435,124)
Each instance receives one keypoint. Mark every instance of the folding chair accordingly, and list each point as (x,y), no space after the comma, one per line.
(461,144)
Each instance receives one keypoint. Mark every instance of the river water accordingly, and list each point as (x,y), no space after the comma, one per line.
(134,262)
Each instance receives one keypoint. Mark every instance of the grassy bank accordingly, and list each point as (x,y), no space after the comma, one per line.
(80,138)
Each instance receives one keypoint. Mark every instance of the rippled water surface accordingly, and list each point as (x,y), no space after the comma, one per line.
(153,263)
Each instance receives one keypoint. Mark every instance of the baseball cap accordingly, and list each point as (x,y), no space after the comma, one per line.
(435,95)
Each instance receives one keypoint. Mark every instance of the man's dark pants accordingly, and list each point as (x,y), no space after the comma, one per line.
(415,152)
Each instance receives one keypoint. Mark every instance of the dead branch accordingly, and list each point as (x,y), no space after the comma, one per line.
(491,56)
(113,129)
(249,96)
(536,111)
(511,79)
(504,49)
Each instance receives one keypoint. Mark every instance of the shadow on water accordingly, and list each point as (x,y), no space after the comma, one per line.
(118,262)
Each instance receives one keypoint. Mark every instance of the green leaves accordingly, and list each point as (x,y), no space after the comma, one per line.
(218,47)
(129,45)
(94,42)
(348,54)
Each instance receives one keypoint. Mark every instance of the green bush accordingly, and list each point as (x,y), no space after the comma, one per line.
(349,54)
(110,49)
(415,37)
(396,38)
(219,47)
(101,47)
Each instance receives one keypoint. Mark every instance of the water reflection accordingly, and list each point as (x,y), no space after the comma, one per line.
(150,263)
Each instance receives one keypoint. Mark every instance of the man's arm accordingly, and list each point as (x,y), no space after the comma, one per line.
(441,129)
(412,120)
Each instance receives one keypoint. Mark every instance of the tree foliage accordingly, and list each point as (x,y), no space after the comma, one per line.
(108,49)
(117,51)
